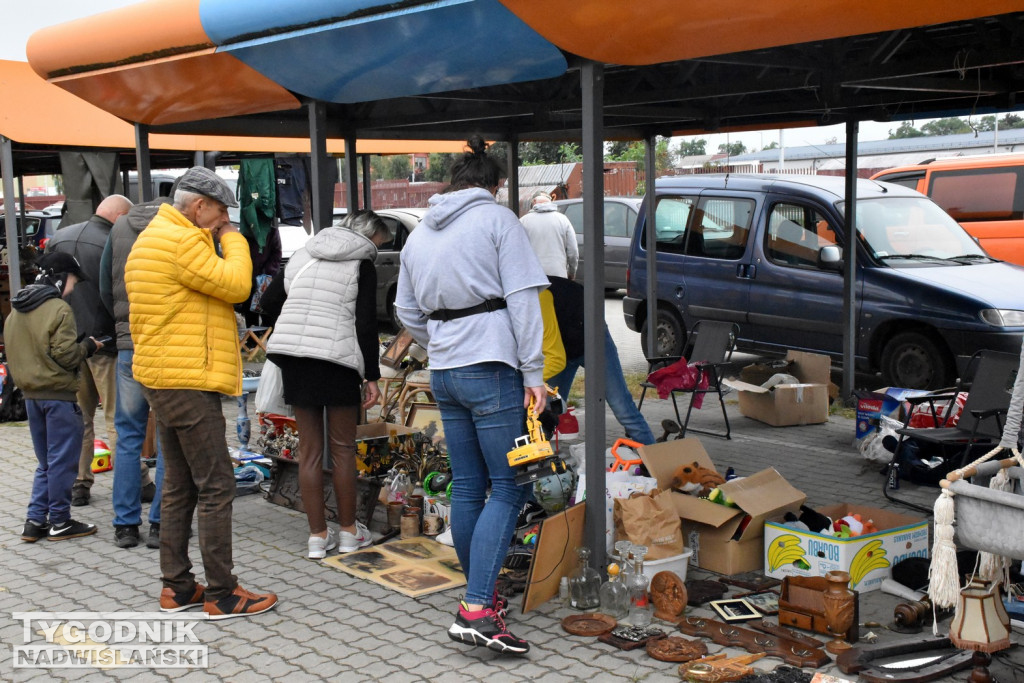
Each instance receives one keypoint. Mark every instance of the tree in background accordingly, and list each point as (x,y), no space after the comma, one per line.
(987,124)
(773,145)
(535,153)
(948,126)
(390,167)
(906,130)
(439,167)
(637,152)
(693,148)
(733,149)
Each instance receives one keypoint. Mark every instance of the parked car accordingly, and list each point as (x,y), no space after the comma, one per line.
(39,226)
(985,194)
(619,218)
(401,222)
(765,252)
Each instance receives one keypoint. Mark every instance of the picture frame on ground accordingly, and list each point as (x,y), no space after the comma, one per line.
(735,609)
(426,417)
(765,602)
(397,350)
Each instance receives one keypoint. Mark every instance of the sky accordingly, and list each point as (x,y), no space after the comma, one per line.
(18,24)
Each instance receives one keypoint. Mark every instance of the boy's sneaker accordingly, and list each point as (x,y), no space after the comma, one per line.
(485,628)
(126,535)
(348,542)
(240,603)
(176,602)
(500,604)
(153,540)
(34,531)
(318,547)
(530,513)
(70,529)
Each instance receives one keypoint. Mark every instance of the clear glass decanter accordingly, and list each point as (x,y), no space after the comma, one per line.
(584,583)
(614,595)
(639,602)
(624,560)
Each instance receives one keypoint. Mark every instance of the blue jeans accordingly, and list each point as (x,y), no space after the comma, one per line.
(130,421)
(56,428)
(617,393)
(482,412)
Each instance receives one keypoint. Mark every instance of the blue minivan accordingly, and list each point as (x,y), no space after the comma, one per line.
(765,251)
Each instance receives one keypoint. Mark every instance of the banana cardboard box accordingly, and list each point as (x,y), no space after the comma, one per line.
(868,558)
(724,539)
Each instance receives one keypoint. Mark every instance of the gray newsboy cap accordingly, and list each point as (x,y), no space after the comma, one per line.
(203,181)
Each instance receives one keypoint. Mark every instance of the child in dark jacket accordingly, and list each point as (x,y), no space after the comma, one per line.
(44,356)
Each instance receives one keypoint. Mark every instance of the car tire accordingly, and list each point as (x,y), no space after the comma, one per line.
(671,335)
(911,360)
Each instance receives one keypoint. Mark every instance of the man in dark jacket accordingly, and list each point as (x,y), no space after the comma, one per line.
(132,413)
(85,241)
(45,358)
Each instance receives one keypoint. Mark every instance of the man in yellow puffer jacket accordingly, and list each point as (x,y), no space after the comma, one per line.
(180,297)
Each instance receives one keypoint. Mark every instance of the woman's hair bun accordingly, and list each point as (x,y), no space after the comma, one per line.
(477,145)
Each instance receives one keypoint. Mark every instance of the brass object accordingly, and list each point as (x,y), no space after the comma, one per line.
(839,603)
(715,668)
(668,593)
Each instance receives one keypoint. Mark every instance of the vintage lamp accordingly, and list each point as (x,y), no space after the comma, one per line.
(980,624)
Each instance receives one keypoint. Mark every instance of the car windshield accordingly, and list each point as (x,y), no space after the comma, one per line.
(901,230)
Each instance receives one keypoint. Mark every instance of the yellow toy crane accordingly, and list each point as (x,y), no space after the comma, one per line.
(533,454)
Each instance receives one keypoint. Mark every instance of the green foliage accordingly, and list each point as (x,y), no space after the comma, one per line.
(637,152)
(773,145)
(733,149)
(439,167)
(570,153)
(391,167)
(534,153)
(948,126)
(692,148)
(906,130)
(1011,121)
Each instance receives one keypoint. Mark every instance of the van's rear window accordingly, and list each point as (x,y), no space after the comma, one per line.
(979,194)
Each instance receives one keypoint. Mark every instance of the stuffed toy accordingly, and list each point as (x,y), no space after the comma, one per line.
(695,480)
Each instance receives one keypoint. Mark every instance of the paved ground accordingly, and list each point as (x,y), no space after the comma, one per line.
(330,624)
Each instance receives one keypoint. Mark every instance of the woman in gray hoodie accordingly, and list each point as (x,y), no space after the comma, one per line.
(468,292)
(326,345)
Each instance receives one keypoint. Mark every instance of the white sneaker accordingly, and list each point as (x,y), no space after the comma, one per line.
(348,542)
(445,537)
(318,547)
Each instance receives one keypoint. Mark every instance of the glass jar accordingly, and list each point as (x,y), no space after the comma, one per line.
(639,602)
(614,595)
(584,583)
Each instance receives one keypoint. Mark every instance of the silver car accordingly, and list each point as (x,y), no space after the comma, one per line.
(619,218)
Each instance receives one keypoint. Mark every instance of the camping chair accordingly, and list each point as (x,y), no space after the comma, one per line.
(989,379)
(709,346)
(258,336)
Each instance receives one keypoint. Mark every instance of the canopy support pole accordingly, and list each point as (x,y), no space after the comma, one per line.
(142,162)
(592,83)
(850,261)
(651,244)
(10,227)
(352,173)
(367,183)
(513,175)
(322,200)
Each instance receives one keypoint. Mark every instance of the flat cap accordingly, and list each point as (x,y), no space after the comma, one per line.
(202,180)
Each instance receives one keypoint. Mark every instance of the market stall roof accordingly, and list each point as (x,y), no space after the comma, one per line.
(445,68)
(44,118)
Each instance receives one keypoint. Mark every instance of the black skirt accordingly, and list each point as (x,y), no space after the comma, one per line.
(316,382)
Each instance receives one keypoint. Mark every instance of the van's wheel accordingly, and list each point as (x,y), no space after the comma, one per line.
(671,337)
(912,361)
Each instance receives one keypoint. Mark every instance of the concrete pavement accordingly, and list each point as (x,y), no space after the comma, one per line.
(329,624)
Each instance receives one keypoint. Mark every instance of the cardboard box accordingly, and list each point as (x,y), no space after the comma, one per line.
(721,538)
(872,405)
(868,558)
(786,404)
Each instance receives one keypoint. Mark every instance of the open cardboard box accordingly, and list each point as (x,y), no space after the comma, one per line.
(868,558)
(786,404)
(721,539)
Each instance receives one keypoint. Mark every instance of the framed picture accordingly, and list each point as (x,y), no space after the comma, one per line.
(426,417)
(397,350)
(765,602)
(735,609)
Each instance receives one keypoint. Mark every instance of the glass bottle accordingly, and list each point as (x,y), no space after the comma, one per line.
(639,601)
(625,563)
(614,595)
(584,583)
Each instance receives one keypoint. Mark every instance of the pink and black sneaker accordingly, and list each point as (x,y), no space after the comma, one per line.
(485,627)
(500,604)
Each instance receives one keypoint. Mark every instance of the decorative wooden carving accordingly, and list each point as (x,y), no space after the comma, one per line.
(787,649)
(668,593)
(839,602)
(676,649)
(592,624)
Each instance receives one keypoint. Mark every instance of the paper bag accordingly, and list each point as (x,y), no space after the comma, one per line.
(649,521)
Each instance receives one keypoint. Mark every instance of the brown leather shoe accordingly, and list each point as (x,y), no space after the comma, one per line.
(240,603)
(176,602)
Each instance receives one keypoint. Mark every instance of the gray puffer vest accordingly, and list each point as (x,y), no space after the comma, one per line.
(319,317)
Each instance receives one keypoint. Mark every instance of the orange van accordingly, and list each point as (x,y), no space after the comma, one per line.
(985,194)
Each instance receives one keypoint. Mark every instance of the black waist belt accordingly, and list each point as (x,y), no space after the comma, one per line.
(445,314)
